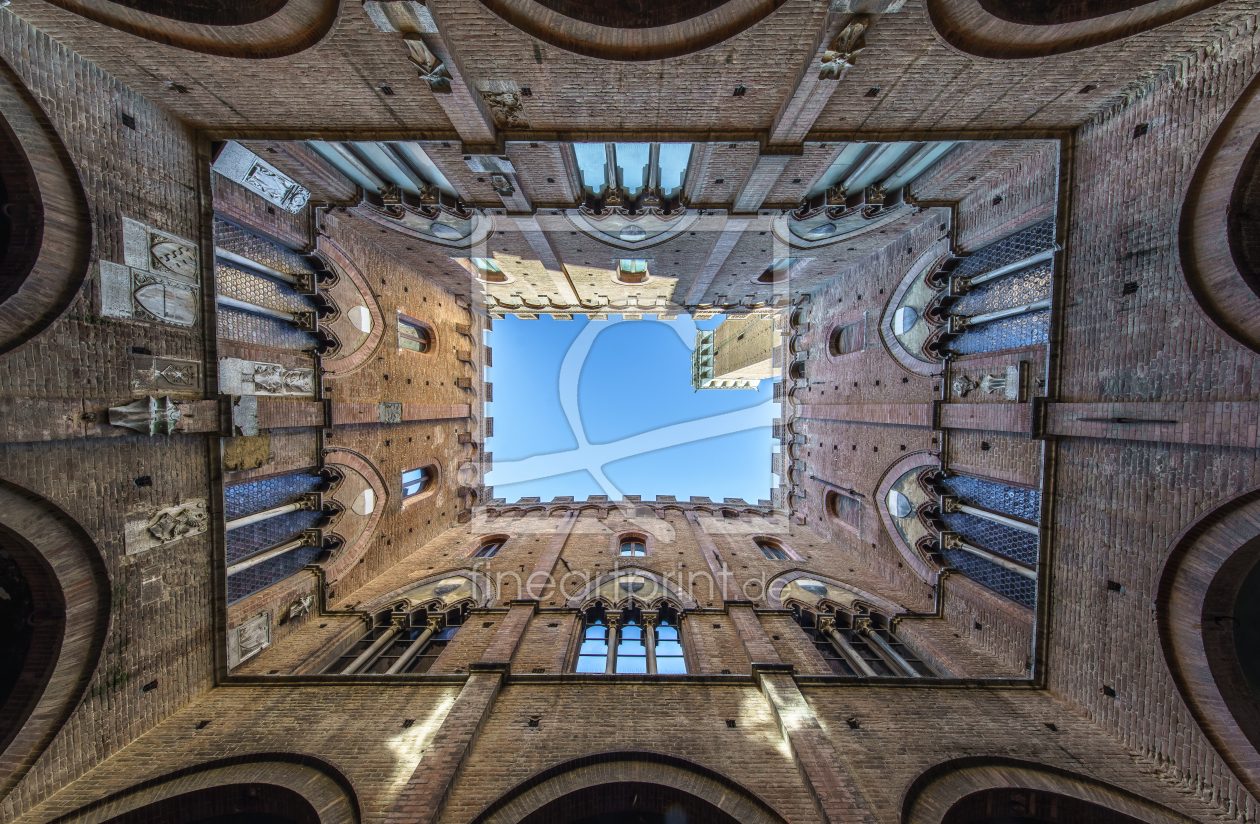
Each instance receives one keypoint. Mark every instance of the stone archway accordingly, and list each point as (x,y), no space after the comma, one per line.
(1209,575)
(65,578)
(618,785)
(1001,790)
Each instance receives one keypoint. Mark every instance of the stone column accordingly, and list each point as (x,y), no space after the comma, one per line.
(890,655)
(951,540)
(827,626)
(310,502)
(370,654)
(611,621)
(417,645)
(650,620)
(951,503)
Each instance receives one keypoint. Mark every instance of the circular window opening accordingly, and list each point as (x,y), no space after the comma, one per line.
(207,12)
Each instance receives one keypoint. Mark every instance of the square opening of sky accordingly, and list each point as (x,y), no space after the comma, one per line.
(607,407)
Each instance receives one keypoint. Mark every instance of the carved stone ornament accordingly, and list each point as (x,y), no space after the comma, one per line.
(962,385)
(149,416)
(152,375)
(242,377)
(245,415)
(165,526)
(134,294)
(430,68)
(505,103)
(391,412)
(301,606)
(502,186)
(842,54)
(152,250)
(237,163)
(249,639)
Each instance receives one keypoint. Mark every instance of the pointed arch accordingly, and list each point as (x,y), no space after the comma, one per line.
(661,591)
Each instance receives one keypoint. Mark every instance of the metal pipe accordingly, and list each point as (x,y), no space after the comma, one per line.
(847,652)
(223,300)
(413,649)
(370,652)
(891,655)
(266,555)
(1013,523)
(1002,314)
(237,523)
(1010,268)
(253,265)
(1005,563)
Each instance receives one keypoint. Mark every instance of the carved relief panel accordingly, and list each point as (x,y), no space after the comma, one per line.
(158,281)
(165,526)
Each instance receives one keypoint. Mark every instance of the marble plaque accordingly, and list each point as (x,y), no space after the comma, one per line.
(165,526)
(249,639)
(237,163)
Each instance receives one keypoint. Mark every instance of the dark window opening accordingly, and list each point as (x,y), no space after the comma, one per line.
(772,550)
(844,508)
(850,337)
(412,335)
(489,549)
(1043,13)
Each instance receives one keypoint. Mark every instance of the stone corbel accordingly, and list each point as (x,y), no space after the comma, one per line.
(841,54)
(429,67)
(150,416)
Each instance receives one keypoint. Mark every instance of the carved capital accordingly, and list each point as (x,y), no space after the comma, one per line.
(950,503)
(841,54)
(950,540)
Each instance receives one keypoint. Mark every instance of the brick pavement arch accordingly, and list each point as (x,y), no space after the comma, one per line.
(46,229)
(1219,244)
(979,789)
(229,28)
(1016,29)
(616,30)
(1198,594)
(610,782)
(276,788)
(70,598)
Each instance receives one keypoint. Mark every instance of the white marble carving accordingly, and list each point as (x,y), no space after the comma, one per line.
(301,606)
(135,294)
(242,377)
(237,163)
(152,250)
(166,526)
(249,639)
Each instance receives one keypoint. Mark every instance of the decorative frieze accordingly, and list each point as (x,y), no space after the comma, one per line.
(248,639)
(239,164)
(243,377)
(153,375)
(165,526)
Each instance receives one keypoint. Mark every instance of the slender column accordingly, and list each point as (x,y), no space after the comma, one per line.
(957,323)
(611,664)
(310,502)
(649,638)
(371,653)
(414,649)
(951,540)
(310,537)
(278,314)
(951,503)
(828,627)
(1010,268)
(253,266)
(889,654)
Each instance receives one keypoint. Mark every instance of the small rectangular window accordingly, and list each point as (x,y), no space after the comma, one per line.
(415,481)
(850,337)
(632,270)
(412,335)
(487,269)
(489,550)
(846,509)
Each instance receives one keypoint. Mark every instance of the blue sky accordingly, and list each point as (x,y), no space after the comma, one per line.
(634,380)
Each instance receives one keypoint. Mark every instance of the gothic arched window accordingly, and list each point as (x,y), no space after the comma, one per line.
(632,642)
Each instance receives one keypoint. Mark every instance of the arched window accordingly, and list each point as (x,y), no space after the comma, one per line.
(412,335)
(632,642)
(797,370)
(778,271)
(401,642)
(489,549)
(844,508)
(772,549)
(417,481)
(633,547)
(850,337)
(488,270)
(859,645)
(632,271)
(991,534)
